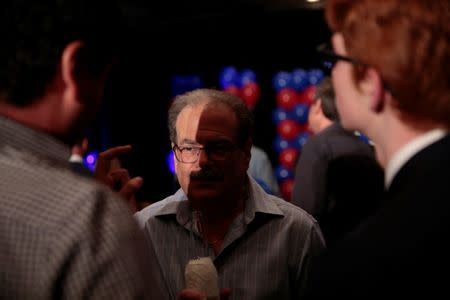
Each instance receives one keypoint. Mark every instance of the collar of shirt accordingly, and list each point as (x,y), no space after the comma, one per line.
(409,150)
(76,158)
(179,205)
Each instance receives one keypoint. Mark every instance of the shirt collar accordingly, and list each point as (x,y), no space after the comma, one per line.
(409,150)
(259,202)
(255,203)
(76,158)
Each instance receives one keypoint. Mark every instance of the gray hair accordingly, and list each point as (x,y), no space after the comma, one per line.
(325,93)
(213,97)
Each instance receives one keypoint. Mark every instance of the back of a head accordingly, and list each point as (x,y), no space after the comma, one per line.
(213,97)
(325,93)
(408,43)
(34,34)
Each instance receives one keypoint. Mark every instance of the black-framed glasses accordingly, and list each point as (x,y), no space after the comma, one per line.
(329,57)
(190,154)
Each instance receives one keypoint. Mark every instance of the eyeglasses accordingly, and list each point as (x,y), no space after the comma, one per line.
(330,58)
(190,154)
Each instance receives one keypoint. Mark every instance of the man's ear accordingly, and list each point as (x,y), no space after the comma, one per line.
(372,88)
(319,106)
(175,160)
(69,69)
(80,81)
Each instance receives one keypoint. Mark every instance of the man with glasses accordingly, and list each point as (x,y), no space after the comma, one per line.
(392,81)
(261,245)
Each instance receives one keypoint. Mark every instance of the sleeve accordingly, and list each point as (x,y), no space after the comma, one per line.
(102,253)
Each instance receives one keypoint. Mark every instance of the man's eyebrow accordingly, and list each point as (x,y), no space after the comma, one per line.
(188,142)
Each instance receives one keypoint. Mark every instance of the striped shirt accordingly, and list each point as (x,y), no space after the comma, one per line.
(266,253)
(62,236)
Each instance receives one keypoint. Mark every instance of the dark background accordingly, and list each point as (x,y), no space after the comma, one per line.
(198,37)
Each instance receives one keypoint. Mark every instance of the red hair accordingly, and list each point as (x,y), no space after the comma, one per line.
(407,42)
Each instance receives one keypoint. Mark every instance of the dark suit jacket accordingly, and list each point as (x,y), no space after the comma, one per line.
(337,180)
(403,249)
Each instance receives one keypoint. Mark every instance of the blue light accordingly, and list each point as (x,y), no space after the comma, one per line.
(91,159)
(228,76)
(170,162)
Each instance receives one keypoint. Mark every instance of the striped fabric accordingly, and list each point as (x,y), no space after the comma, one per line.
(62,236)
(266,253)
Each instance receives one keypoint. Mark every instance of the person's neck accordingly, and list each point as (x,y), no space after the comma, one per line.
(323,124)
(40,115)
(397,134)
(222,216)
(216,219)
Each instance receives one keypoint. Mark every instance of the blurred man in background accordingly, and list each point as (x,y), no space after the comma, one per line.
(337,178)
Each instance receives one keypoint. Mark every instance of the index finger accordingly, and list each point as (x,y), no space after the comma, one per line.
(115,152)
(104,159)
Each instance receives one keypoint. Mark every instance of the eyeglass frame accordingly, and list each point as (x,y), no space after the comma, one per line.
(328,55)
(227,150)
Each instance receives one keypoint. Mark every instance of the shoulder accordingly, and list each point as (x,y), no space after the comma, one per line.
(51,196)
(302,228)
(258,152)
(319,142)
(65,208)
(291,215)
(166,206)
(93,206)
(313,150)
(258,155)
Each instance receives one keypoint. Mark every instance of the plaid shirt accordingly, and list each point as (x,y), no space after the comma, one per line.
(266,253)
(63,236)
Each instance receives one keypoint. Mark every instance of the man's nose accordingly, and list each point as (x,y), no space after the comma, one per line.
(203,158)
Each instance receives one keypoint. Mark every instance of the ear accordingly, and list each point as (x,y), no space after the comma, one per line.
(175,161)
(318,106)
(69,65)
(81,82)
(372,88)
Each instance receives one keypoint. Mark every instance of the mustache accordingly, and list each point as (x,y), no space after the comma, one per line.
(205,175)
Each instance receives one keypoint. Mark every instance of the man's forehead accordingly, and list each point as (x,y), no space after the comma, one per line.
(206,122)
(205,112)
